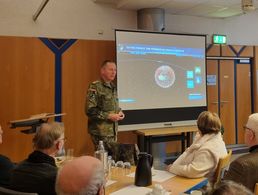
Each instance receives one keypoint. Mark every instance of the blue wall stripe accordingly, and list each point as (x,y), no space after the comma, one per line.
(241,50)
(233,49)
(58,70)
(58,85)
(50,45)
(209,47)
(67,45)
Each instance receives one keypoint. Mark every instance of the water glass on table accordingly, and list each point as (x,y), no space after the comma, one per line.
(69,154)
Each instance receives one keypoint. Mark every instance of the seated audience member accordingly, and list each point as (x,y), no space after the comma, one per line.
(38,172)
(81,176)
(244,170)
(5,166)
(230,188)
(202,157)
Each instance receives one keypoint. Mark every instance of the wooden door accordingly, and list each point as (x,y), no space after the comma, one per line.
(244,105)
(212,89)
(229,95)
(227,100)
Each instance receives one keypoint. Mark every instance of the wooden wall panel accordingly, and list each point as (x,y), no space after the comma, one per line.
(227,101)
(227,51)
(212,89)
(247,52)
(27,87)
(213,50)
(243,98)
(237,48)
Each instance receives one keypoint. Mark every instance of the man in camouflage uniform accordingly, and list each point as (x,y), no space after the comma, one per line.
(102,108)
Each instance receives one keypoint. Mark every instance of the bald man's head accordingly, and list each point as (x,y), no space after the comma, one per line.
(83,175)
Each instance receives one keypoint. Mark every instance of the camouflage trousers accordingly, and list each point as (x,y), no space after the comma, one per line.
(109,142)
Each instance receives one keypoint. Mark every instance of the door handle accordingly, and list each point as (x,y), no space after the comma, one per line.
(223,101)
(214,102)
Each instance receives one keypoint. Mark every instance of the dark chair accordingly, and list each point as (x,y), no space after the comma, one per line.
(5,191)
(126,153)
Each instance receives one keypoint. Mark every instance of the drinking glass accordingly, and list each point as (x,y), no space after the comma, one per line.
(127,165)
(120,164)
(69,154)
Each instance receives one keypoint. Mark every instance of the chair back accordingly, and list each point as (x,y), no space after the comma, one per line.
(223,163)
(256,189)
(126,153)
(5,191)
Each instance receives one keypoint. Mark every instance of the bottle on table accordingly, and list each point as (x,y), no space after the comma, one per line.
(102,155)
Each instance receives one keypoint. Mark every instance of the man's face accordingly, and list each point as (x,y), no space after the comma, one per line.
(108,72)
(249,136)
(61,142)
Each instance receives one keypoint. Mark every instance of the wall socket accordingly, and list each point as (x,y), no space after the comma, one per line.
(100,32)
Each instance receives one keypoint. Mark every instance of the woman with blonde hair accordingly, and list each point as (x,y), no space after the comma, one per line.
(202,157)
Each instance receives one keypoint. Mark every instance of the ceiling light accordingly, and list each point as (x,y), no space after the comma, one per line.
(247,5)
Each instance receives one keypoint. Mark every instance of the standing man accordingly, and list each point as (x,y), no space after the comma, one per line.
(244,170)
(102,107)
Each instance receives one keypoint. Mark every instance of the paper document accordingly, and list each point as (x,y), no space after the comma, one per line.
(132,189)
(158,175)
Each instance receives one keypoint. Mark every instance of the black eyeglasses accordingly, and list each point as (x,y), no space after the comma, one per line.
(245,127)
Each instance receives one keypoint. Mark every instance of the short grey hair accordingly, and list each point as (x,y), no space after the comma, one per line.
(96,182)
(47,134)
(230,187)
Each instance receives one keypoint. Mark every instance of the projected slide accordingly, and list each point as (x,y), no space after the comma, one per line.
(158,71)
(161,79)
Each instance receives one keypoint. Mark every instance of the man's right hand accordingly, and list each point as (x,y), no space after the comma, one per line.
(115,117)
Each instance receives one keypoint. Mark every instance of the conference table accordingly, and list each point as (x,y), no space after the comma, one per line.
(175,185)
(157,135)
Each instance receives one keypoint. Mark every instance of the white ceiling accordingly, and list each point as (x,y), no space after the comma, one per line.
(202,8)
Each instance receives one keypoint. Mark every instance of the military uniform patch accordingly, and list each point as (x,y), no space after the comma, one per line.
(92,93)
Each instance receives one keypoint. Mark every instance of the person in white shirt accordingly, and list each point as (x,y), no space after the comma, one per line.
(202,157)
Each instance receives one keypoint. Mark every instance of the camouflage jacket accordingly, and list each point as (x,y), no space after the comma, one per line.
(101,100)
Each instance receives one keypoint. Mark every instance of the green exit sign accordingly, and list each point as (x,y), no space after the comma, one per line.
(219,39)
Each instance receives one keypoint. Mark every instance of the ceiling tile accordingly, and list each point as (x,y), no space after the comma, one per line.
(203,8)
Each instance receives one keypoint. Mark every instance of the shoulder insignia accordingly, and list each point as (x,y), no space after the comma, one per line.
(95,82)
(93,90)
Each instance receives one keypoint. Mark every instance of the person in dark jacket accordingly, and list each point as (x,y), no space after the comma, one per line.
(6,166)
(244,169)
(38,172)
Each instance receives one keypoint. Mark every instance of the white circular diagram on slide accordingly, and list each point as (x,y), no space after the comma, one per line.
(165,76)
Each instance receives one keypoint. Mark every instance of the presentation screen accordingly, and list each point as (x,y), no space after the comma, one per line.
(161,78)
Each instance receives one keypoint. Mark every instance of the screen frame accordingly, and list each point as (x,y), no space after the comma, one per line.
(167,117)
